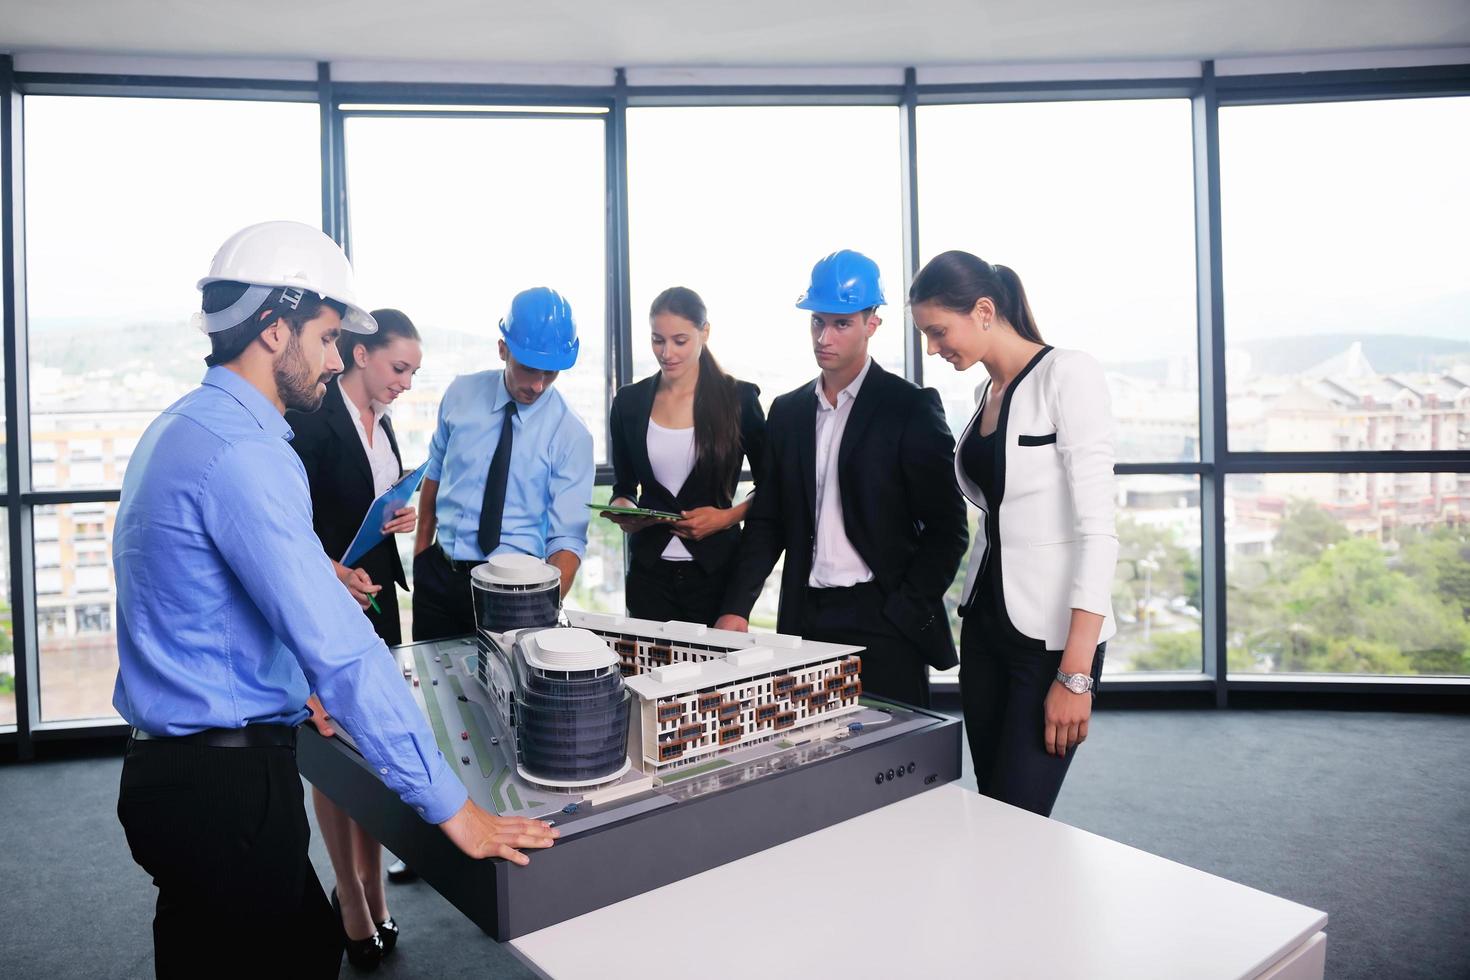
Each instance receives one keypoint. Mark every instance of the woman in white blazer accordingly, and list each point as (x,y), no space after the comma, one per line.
(1037,460)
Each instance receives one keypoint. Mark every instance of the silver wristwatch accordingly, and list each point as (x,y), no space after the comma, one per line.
(1076,683)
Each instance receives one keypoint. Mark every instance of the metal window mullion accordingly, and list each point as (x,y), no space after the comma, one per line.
(1213,432)
(17,410)
(908,163)
(618,367)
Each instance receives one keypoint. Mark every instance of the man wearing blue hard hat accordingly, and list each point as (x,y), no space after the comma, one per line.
(860,494)
(510,468)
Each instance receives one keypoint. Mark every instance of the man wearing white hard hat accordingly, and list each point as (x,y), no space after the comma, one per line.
(229,613)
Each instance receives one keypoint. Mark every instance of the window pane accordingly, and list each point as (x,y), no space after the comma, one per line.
(1348,573)
(126,202)
(450,218)
(1156,588)
(76,610)
(738,203)
(599,584)
(7,633)
(1345,258)
(1092,204)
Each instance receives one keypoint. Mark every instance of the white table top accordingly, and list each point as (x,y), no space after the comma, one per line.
(943,884)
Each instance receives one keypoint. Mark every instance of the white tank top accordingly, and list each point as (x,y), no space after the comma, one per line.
(671,455)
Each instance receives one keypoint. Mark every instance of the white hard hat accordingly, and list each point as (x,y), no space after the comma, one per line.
(285,254)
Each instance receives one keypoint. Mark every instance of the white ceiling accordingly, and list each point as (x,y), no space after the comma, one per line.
(729,32)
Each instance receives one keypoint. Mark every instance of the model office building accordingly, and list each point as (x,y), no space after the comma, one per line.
(702,691)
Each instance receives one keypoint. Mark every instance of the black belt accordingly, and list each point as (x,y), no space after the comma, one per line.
(249,737)
(862,590)
(460,567)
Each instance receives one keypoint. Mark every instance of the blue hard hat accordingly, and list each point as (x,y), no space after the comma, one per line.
(843,282)
(540,330)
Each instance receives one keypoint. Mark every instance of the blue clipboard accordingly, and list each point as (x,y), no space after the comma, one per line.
(394,499)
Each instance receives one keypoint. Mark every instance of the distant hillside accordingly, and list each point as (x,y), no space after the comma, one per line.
(1388,353)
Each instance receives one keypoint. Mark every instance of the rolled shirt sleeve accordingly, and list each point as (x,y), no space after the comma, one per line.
(439,443)
(257,508)
(1082,408)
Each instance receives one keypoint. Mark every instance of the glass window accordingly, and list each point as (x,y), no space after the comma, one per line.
(1348,573)
(450,218)
(76,605)
(1157,598)
(738,203)
(7,634)
(126,202)
(1092,204)
(599,584)
(1345,259)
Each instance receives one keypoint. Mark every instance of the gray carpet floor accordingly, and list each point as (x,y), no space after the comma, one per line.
(1365,815)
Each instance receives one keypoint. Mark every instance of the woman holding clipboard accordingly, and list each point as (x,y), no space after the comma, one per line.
(351,457)
(678,438)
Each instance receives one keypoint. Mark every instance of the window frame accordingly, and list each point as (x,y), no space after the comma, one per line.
(1208,91)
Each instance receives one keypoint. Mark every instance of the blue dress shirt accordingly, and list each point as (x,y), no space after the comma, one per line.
(551,470)
(228,610)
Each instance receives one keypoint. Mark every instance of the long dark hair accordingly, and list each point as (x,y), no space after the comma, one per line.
(717,444)
(391,323)
(957,280)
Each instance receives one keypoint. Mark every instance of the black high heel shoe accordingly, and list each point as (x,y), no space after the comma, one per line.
(388,932)
(364,954)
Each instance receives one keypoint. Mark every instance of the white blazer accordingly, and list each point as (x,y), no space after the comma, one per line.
(1053,523)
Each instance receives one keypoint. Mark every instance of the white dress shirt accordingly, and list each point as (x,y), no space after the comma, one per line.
(671,457)
(835,563)
(379,453)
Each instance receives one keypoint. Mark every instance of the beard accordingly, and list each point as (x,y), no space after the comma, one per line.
(299,387)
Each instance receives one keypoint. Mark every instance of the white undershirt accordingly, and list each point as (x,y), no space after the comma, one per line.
(835,562)
(671,455)
(379,453)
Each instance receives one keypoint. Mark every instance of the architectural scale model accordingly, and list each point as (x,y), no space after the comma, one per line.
(697,693)
(738,742)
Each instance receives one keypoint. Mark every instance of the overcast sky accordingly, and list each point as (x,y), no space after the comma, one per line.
(1346,217)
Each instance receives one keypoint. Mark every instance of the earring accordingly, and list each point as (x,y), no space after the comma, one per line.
(986,324)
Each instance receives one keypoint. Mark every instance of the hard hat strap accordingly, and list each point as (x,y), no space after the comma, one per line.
(239,311)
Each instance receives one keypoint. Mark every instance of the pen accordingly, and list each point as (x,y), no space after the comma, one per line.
(373,601)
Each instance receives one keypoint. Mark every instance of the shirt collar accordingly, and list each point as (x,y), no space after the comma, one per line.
(851,391)
(271,421)
(502,397)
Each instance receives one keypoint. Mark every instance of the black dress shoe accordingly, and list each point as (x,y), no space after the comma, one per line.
(398,873)
(388,932)
(364,954)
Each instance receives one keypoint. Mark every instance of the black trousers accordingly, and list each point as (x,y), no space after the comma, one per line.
(893,667)
(224,834)
(386,624)
(1003,688)
(443,605)
(664,590)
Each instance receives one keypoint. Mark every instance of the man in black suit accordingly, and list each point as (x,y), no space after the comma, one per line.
(860,494)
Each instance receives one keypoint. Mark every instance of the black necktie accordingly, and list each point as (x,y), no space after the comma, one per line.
(493,505)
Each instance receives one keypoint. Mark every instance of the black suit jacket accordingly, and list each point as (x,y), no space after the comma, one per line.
(900,507)
(631,471)
(341,481)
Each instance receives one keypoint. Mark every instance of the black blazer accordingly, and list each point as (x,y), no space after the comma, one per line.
(631,471)
(342,482)
(900,508)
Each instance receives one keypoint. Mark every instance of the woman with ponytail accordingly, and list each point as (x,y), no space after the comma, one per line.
(678,440)
(1037,460)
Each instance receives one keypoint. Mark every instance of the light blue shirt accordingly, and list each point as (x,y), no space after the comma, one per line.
(551,470)
(228,610)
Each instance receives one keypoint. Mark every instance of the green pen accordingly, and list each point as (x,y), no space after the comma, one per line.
(372,601)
